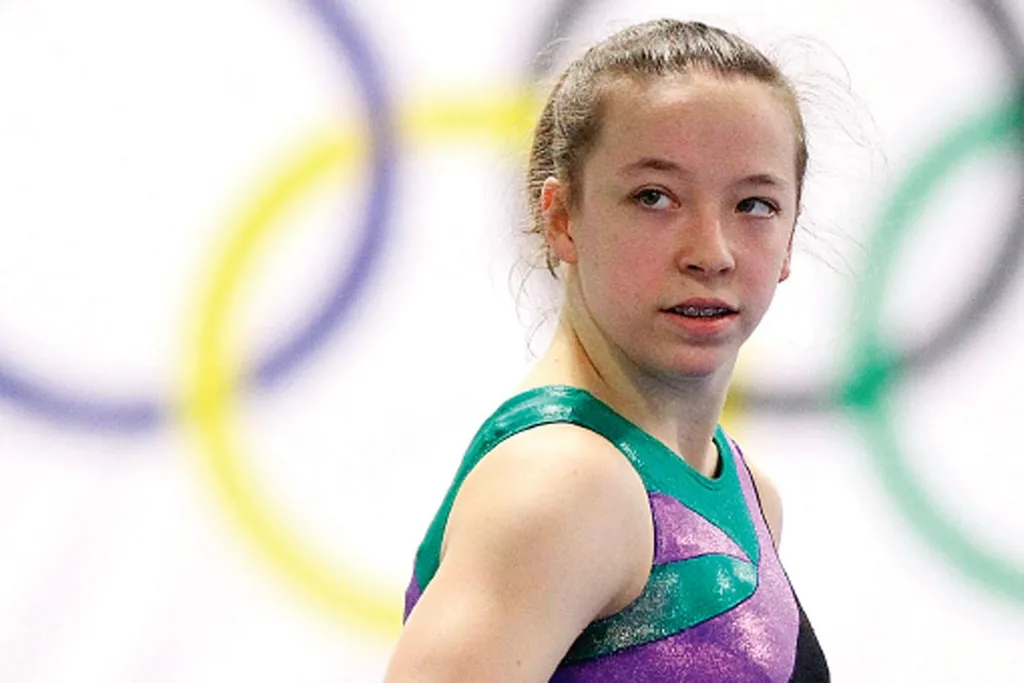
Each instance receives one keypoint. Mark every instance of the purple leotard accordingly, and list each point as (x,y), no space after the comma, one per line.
(718,605)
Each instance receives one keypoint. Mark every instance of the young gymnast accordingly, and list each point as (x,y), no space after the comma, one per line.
(602,527)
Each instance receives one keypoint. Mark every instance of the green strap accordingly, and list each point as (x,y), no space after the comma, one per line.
(662,471)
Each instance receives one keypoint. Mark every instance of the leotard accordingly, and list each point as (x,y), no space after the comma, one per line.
(718,605)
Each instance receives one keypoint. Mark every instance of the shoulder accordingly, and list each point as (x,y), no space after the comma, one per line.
(557,499)
(771,501)
(558,479)
(546,534)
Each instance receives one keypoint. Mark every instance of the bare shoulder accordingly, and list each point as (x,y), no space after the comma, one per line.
(559,490)
(771,501)
(545,535)
(556,472)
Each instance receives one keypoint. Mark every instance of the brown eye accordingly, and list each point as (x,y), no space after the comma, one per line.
(652,198)
(759,208)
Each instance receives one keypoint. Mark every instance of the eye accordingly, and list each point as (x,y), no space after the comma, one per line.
(653,198)
(759,208)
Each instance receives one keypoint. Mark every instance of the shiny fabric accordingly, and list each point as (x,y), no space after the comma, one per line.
(718,605)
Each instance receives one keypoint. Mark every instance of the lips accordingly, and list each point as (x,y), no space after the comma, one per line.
(702,309)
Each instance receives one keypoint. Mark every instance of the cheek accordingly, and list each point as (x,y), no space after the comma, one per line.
(769,243)
(762,273)
(760,256)
(634,269)
(619,280)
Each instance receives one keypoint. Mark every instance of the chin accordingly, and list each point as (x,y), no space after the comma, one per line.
(697,366)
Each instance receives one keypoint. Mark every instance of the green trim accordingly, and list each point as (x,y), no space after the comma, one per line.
(719,500)
(677,596)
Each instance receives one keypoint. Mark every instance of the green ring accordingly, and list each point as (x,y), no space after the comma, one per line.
(876,368)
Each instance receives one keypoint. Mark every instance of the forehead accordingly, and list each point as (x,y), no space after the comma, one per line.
(705,123)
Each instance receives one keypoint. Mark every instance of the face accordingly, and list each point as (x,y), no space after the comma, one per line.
(681,222)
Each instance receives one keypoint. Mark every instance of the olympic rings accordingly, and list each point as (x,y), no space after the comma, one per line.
(66,407)
(507,118)
(876,368)
(353,599)
(214,377)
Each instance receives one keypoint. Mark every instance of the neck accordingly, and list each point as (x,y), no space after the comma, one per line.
(682,412)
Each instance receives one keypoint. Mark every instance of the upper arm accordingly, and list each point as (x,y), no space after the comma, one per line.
(771,503)
(544,534)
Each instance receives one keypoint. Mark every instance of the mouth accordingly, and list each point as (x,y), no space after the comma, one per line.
(702,309)
(702,312)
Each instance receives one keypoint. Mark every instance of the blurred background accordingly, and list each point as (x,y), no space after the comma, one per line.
(261,280)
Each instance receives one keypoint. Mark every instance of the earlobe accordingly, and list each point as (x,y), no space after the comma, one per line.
(555,209)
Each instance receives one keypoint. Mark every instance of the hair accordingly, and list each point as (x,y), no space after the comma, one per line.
(571,120)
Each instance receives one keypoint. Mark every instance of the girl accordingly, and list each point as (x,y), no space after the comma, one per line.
(613,532)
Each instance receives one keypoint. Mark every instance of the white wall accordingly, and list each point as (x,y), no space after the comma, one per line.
(135,136)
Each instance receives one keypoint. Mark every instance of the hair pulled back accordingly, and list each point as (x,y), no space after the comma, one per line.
(571,119)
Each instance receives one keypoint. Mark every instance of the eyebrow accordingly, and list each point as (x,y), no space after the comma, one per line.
(668,166)
(653,164)
(763,179)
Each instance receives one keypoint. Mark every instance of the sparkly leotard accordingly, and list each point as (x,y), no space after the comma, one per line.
(717,606)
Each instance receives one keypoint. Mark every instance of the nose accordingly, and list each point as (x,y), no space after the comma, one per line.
(704,248)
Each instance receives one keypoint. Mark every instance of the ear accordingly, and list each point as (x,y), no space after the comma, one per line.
(784,273)
(554,206)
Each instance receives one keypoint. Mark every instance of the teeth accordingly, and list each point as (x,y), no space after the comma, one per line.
(696,312)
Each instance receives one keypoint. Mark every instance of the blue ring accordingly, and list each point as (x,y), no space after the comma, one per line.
(133,415)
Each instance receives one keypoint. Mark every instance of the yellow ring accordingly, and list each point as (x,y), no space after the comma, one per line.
(212,372)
